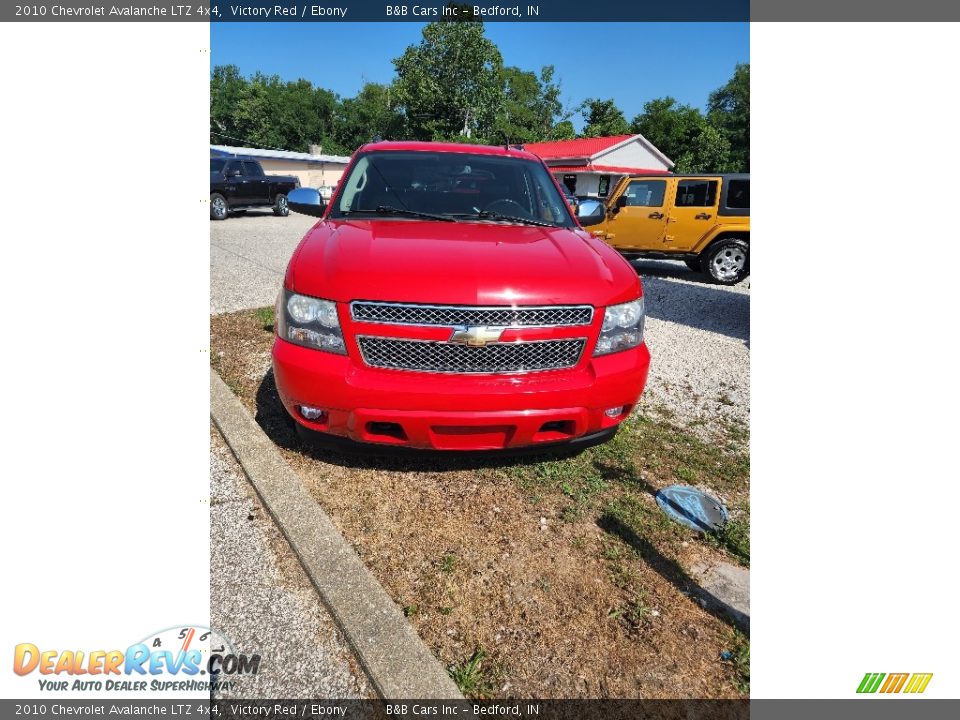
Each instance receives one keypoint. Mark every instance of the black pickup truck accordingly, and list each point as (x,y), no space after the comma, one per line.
(240,183)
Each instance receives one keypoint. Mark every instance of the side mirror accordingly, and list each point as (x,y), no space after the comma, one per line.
(306,201)
(591,212)
(622,201)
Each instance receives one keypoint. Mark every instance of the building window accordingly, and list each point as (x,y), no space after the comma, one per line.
(571,183)
(604,188)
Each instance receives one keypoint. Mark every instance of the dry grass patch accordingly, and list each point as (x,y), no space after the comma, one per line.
(540,577)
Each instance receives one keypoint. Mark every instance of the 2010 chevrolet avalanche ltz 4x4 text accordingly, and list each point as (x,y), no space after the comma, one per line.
(449,300)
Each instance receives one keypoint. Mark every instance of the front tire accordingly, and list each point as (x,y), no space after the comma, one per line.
(727,262)
(280,206)
(219,210)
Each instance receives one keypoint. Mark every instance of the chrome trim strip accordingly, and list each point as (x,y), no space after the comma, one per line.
(469,308)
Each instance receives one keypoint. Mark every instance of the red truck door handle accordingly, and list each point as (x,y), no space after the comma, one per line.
(702,216)
(655,216)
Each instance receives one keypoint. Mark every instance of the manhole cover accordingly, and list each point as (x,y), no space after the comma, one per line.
(690,507)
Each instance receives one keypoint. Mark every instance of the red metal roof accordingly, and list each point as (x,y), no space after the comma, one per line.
(614,169)
(579,148)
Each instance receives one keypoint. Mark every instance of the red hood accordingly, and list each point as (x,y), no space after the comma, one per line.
(458,263)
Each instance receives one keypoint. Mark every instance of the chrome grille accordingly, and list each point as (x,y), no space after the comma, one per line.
(443,357)
(450,315)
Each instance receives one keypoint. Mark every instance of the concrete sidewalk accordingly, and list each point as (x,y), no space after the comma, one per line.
(263,601)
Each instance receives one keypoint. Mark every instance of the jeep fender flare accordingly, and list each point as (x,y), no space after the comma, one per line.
(741,232)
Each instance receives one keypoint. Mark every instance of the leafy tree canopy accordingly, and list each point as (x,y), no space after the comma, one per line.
(603,117)
(453,86)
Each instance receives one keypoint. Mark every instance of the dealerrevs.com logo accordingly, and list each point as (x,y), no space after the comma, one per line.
(909,683)
(182,659)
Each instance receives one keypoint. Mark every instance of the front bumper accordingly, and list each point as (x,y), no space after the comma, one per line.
(457,412)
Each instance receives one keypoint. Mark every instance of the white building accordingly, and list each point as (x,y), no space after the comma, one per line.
(593,166)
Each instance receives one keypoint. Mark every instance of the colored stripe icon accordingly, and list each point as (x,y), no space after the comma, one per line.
(894,683)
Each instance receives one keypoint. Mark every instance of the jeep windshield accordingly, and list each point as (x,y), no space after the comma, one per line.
(426,185)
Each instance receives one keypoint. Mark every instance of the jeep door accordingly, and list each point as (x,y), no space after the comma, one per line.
(693,212)
(637,214)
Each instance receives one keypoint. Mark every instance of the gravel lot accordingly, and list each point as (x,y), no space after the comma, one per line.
(248,257)
(699,339)
(261,598)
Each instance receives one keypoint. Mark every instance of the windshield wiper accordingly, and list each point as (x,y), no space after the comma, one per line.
(390,210)
(490,215)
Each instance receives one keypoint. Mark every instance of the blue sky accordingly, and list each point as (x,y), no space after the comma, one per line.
(630,62)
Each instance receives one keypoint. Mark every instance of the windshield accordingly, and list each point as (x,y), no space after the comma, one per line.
(453,185)
(217,165)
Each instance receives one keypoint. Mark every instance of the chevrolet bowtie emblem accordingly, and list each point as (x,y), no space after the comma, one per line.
(477,335)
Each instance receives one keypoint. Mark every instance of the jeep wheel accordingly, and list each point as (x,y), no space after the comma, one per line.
(727,262)
(694,264)
(280,206)
(218,207)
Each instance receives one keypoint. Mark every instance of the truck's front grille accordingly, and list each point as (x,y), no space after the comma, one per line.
(444,357)
(450,315)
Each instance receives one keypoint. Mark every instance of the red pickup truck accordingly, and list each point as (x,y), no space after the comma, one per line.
(448,299)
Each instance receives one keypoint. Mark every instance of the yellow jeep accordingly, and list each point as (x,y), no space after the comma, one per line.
(703,220)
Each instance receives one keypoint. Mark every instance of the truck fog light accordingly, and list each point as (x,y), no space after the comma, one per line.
(614,411)
(313,414)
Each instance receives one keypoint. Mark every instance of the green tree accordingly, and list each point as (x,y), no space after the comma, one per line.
(265,111)
(451,84)
(685,135)
(563,130)
(226,87)
(603,117)
(369,115)
(530,106)
(251,117)
(729,111)
(709,152)
(669,125)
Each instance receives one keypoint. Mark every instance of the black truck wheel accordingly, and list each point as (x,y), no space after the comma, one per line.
(280,206)
(218,207)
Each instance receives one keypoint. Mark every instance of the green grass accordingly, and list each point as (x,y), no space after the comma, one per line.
(472,677)
(617,479)
(449,563)
(735,537)
(740,659)
(637,610)
(265,316)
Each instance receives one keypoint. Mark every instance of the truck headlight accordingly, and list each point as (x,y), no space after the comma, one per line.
(310,322)
(622,328)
